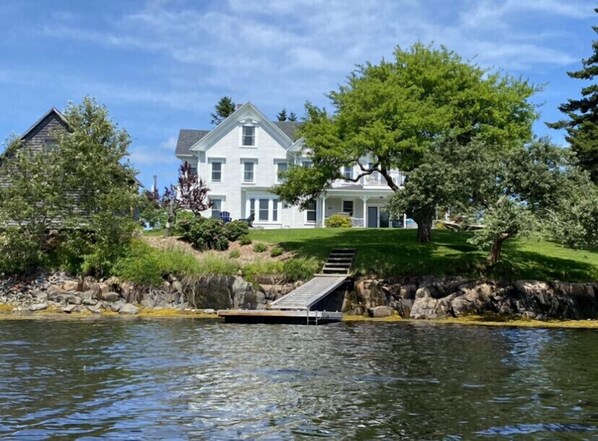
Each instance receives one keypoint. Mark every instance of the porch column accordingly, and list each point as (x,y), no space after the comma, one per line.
(404,220)
(323,211)
(365,211)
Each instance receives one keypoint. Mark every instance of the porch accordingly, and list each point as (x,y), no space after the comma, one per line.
(365,211)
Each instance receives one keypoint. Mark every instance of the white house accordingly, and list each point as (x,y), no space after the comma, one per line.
(240,159)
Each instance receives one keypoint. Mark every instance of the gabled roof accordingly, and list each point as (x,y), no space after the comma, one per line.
(230,122)
(289,128)
(53,110)
(186,139)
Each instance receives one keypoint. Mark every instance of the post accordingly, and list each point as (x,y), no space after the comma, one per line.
(323,211)
(365,211)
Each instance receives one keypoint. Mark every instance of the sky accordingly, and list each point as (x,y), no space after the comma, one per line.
(162,65)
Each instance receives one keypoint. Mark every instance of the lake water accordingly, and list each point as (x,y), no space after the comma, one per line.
(202,379)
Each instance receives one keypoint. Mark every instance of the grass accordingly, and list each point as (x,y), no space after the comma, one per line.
(395,252)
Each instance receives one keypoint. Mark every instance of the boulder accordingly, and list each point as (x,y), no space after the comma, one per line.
(128,308)
(38,306)
(110,296)
(71,308)
(380,311)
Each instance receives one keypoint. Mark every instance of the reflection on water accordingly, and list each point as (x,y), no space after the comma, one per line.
(179,379)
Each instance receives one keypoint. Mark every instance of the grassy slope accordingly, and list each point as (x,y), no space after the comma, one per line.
(395,252)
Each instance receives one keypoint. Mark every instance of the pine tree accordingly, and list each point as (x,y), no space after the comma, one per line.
(292,117)
(223,109)
(282,115)
(582,114)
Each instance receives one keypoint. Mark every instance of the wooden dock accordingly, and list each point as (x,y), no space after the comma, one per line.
(308,303)
(280,316)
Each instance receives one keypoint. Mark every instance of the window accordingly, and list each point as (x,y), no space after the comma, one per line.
(310,211)
(248,167)
(348,207)
(216,208)
(281,167)
(49,144)
(263,214)
(193,171)
(275,210)
(248,136)
(348,172)
(216,171)
(306,163)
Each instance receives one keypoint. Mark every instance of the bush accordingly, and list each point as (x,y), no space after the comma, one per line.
(259,247)
(183,218)
(299,269)
(244,240)
(276,251)
(19,252)
(205,234)
(234,254)
(236,229)
(148,266)
(338,221)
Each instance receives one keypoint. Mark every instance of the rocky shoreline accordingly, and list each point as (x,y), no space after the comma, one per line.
(414,298)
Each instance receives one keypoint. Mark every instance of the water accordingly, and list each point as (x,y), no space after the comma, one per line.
(197,379)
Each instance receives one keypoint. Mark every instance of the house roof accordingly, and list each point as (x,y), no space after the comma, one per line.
(187,138)
(289,128)
(45,115)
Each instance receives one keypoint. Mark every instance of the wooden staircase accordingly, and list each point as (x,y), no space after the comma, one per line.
(339,261)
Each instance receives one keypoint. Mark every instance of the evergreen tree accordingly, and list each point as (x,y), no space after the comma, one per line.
(282,115)
(292,117)
(223,110)
(582,114)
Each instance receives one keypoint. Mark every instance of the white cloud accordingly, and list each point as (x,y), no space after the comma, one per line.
(144,156)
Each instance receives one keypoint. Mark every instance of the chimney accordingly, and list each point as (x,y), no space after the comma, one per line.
(238,106)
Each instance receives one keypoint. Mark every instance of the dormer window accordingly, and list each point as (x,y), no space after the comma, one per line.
(248,138)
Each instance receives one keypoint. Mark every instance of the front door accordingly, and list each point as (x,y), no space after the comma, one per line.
(372,217)
(384,219)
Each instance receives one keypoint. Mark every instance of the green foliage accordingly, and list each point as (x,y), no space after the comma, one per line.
(299,269)
(223,109)
(84,188)
(21,252)
(206,234)
(236,229)
(276,251)
(183,218)
(260,247)
(392,113)
(338,221)
(582,115)
(244,240)
(146,265)
(514,188)
(150,211)
(234,254)
(282,115)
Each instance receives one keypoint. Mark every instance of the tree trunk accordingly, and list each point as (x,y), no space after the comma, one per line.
(496,249)
(424,228)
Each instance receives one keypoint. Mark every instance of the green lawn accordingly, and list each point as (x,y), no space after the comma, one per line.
(396,253)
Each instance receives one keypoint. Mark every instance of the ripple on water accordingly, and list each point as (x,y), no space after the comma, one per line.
(173,379)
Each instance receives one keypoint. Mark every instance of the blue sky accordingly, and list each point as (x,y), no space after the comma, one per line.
(161,65)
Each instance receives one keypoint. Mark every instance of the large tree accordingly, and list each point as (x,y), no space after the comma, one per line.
(388,115)
(513,191)
(223,109)
(582,115)
(83,188)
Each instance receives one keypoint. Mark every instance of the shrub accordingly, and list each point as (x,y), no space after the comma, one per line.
(259,247)
(205,234)
(244,240)
(183,218)
(299,269)
(338,221)
(261,267)
(234,254)
(276,251)
(236,229)
(19,252)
